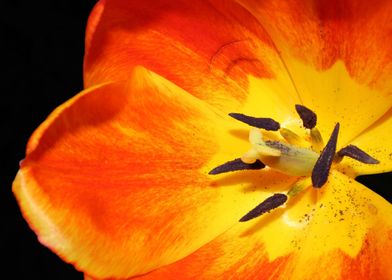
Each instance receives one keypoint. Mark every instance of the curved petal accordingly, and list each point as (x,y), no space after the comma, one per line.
(208,48)
(116,180)
(376,141)
(346,234)
(338,54)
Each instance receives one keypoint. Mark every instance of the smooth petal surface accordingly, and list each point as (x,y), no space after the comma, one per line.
(208,48)
(116,180)
(338,54)
(343,233)
(376,140)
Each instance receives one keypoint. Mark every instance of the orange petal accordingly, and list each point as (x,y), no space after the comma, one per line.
(320,33)
(115,181)
(354,244)
(338,54)
(208,48)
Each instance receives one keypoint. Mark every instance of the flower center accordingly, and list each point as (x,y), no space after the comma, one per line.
(285,157)
(293,155)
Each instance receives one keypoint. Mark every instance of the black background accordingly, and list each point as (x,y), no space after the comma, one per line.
(42,56)
(41,46)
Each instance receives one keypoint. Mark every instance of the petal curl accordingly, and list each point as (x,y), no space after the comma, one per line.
(376,140)
(115,181)
(208,48)
(354,244)
(338,54)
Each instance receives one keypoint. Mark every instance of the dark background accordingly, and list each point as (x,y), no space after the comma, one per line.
(41,46)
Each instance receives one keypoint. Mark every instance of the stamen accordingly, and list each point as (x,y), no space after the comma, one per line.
(316,140)
(299,186)
(267,205)
(357,154)
(308,117)
(321,169)
(236,165)
(291,137)
(255,136)
(264,123)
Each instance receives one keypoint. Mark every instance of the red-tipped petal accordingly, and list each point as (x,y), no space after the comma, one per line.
(116,180)
(208,48)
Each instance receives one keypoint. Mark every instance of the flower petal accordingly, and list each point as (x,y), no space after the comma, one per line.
(208,48)
(338,54)
(345,234)
(116,180)
(376,141)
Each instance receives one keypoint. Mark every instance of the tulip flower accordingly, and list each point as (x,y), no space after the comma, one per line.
(220,140)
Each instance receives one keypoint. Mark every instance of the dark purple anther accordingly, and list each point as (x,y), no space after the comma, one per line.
(323,164)
(357,154)
(308,117)
(264,123)
(270,203)
(236,165)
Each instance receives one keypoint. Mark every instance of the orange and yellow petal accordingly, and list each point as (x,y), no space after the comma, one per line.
(208,48)
(338,54)
(116,180)
(344,232)
(376,141)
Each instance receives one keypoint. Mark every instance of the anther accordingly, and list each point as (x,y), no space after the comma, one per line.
(308,117)
(321,169)
(236,165)
(357,154)
(267,205)
(264,123)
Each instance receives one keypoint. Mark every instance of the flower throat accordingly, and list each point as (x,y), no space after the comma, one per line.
(291,156)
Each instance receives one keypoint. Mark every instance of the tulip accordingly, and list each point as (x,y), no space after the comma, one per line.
(220,140)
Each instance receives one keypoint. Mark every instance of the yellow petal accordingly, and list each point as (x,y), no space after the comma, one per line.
(338,56)
(344,233)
